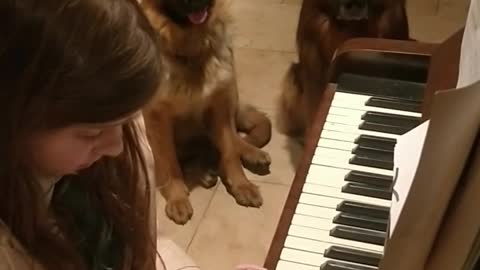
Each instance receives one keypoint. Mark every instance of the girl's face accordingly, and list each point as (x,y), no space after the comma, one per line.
(64,151)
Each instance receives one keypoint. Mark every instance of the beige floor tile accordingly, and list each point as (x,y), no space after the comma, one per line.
(182,235)
(259,75)
(265,25)
(293,2)
(453,9)
(433,28)
(423,7)
(435,20)
(231,234)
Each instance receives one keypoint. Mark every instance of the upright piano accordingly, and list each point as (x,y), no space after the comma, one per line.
(337,211)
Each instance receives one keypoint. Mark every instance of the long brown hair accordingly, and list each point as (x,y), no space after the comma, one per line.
(66,62)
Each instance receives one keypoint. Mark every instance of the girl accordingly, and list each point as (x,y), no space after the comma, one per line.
(74,194)
(74,183)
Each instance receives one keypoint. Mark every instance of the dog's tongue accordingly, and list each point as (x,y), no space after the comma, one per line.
(198,17)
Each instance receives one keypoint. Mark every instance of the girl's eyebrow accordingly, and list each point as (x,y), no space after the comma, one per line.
(113,123)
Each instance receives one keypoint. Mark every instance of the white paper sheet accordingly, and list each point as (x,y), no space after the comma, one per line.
(406,158)
(469,65)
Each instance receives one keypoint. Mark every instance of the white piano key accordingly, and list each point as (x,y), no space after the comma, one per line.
(313,222)
(358,103)
(333,202)
(339,104)
(354,120)
(303,257)
(286,265)
(306,244)
(338,136)
(321,201)
(330,181)
(337,193)
(343,163)
(324,236)
(321,174)
(296,257)
(355,130)
(333,153)
(336,144)
(316,211)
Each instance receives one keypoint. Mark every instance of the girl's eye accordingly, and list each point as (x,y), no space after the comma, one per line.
(91,134)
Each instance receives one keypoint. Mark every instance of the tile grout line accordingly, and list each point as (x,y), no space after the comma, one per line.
(203,216)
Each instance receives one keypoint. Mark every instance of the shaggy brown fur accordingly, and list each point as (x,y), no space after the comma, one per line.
(197,109)
(323,27)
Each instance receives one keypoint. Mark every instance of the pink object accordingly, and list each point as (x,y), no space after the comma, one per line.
(249,267)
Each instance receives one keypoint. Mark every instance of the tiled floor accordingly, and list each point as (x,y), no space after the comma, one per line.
(221,233)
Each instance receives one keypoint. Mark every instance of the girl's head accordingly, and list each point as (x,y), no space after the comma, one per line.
(79,68)
(73,75)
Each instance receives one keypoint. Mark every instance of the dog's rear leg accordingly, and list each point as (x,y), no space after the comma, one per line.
(169,176)
(290,116)
(258,129)
(223,133)
(256,126)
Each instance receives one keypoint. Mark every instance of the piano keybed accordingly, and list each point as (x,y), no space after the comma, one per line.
(341,219)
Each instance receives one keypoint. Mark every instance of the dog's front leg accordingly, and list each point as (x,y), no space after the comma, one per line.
(169,177)
(222,133)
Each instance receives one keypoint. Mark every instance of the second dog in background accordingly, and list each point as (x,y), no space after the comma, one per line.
(197,113)
(323,26)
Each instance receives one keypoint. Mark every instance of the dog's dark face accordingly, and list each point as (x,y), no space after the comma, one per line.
(186,12)
(356,10)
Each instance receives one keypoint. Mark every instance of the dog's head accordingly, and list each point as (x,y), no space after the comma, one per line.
(356,10)
(186,12)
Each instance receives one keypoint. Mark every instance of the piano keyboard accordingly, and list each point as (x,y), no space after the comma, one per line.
(341,219)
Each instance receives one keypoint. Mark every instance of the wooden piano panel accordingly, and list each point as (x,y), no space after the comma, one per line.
(389,58)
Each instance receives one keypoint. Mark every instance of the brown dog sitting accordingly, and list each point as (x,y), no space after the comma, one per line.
(196,116)
(323,26)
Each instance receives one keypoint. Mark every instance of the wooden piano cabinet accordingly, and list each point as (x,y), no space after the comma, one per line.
(408,60)
(443,72)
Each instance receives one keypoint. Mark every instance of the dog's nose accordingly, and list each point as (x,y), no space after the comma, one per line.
(197,4)
(354,4)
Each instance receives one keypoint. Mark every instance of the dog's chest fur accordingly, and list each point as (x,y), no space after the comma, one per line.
(201,65)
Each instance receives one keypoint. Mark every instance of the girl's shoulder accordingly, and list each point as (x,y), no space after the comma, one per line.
(12,255)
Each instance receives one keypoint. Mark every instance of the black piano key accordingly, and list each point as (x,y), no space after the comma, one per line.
(373,152)
(380,148)
(353,255)
(376,142)
(392,119)
(394,104)
(369,178)
(371,162)
(371,126)
(368,190)
(337,265)
(364,209)
(364,222)
(359,235)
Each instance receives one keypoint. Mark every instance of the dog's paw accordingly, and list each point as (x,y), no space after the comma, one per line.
(210,180)
(257,161)
(179,211)
(247,194)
